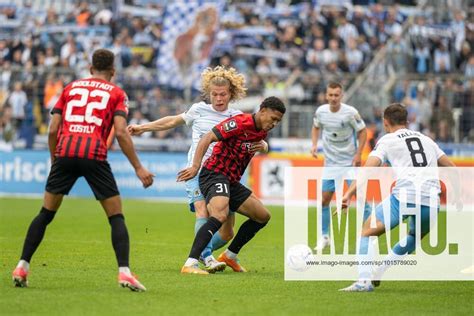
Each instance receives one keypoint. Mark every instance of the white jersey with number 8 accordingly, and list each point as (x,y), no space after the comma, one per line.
(405,149)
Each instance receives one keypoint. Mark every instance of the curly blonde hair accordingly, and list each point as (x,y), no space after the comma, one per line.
(221,76)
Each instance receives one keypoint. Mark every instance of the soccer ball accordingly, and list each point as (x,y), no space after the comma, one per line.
(297,256)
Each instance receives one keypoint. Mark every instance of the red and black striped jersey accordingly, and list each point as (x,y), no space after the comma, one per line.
(231,154)
(88,107)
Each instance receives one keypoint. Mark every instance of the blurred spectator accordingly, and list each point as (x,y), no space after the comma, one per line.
(141,35)
(467,127)
(83,14)
(398,52)
(469,68)
(422,59)
(463,56)
(391,26)
(29,51)
(5,76)
(255,85)
(422,107)
(266,66)
(332,54)
(51,59)
(7,128)
(17,101)
(346,30)
(442,59)
(154,100)
(274,87)
(138,119)
(353,56)
(136,72)
(442,121)
(51,17)
(314,55)
(459,29)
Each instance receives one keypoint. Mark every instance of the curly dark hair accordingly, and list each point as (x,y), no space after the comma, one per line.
(103,60)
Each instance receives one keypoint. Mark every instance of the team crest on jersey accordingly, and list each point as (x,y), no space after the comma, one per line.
(197,193)
(357,118)
(230,125)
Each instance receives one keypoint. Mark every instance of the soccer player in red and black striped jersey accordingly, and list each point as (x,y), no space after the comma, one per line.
(219,178)
(80,124)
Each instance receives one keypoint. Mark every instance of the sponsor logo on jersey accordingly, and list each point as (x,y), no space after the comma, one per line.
(246,146)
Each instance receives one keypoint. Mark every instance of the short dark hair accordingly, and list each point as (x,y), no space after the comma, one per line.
(334,85)
(103,60)
(273,103)
(396,114)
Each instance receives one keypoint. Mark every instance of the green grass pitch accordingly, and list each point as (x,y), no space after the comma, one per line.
(74,271)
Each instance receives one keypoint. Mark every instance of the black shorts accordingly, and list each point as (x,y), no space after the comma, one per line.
(214,184)
(65,171)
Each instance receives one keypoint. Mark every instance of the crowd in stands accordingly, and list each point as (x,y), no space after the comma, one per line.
(290,52)
(433,104)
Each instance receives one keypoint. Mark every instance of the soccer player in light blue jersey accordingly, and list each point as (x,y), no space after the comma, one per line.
(344,134)
(220,86)
(404,149)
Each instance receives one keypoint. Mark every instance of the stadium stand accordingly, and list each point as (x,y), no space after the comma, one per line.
(404,50)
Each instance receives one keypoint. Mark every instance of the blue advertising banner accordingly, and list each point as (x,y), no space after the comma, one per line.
(25,172)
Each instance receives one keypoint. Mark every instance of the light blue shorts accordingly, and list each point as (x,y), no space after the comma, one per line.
(329,185)
(193,191)
(395,215)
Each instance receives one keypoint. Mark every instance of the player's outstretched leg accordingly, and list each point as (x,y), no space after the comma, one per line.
(121,244)
(129,280)
(210,263)
(219,239)
(328,190)
(258,218)
(34,236)
(203,237)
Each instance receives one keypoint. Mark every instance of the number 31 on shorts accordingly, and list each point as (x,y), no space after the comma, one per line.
(221,187)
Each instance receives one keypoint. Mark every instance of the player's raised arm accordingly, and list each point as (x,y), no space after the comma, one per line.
(54,125)
(126,144)
(201,149)
(162,124)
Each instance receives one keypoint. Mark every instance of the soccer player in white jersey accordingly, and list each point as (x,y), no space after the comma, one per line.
(220,86)
(402,148)
(344,135)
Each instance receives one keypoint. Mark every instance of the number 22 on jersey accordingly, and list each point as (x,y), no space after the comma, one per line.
(88,116)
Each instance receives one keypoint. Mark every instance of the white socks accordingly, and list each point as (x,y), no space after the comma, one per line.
(230,254)
(125,270)
(23,264)
(191,262)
